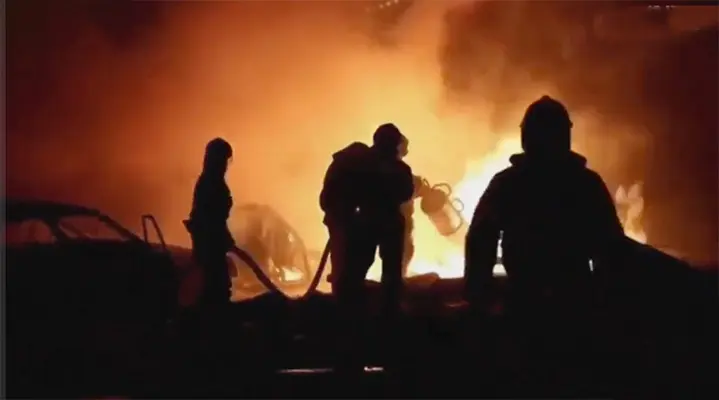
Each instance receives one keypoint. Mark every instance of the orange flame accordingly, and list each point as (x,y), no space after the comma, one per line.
(445,256)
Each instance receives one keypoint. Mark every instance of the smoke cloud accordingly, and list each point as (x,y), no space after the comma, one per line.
(118,118)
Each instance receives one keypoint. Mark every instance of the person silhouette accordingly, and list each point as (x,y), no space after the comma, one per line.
(555,217)
(207,225)
(362,197)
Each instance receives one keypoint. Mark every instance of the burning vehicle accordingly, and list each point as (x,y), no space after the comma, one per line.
(274,246)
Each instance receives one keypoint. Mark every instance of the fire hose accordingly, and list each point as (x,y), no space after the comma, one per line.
(438,204)
(255,267)
(271,286)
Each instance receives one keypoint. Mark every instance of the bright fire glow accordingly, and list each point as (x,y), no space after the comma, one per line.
(292,274)
(630,205)
(445,256)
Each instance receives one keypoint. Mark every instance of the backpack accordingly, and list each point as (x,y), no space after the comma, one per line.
(347,181)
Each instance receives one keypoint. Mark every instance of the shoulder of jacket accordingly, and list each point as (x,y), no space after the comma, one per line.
(506,175)
(591,178)
(405,167)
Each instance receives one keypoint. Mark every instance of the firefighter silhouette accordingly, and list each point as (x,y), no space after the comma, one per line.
(554,215)
(207,225)
(362,197)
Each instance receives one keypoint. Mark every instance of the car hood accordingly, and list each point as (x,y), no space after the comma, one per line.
(45,268)
(87,249)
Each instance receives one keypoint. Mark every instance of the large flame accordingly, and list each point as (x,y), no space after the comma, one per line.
(445,256)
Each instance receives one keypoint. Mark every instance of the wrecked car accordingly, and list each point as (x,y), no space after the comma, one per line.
(69,262)
(79,287)
(274,244)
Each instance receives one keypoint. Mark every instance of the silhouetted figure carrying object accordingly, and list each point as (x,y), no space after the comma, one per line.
(363,192)
(207,225)
(554,215)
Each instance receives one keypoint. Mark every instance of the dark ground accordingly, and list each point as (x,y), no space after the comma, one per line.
(666,350)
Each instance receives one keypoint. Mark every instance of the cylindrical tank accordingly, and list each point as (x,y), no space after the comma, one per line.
(444,211)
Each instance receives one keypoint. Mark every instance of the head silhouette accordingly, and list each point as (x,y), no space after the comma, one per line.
(388,140)
(217,155)
(546,128)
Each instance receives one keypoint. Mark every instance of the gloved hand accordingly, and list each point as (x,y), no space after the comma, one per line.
(421,186)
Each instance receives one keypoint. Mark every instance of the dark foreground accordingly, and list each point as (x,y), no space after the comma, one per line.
(274,347)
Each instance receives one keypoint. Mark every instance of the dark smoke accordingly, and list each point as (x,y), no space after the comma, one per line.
(646,80)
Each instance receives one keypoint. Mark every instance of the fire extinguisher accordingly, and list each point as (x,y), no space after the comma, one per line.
(444,211)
